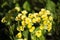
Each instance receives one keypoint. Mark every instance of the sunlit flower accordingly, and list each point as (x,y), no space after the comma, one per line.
(38,19)
(17,8)
(17,18)
(27,20)
(32,29)
(19,15)
(20,28)
(34,20)
(44,16)
(23,17)
(45,22)
(38,33)
(29,25)
(41,27)
(49,27)
(50,18)
(43,10)
(24,12)
(19,35)
(3,20)
(23,23)
(30,15)
(48,12)
(35,15)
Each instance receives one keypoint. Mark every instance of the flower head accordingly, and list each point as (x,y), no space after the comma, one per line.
(19,35)
(38,33)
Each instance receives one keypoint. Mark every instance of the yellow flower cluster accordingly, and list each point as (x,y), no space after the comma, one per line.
(44,18)
(29,21)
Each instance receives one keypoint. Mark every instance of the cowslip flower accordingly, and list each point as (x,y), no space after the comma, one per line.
(32,29)
(23,23)
(41,27)
(20,28)
(24,12)
(19,35)
(27,20)
(38,33)
(3,20)
(18,17)
(35,15)
(29,25)
(49,27)
(17,8)
(50,18)
(38,19)
(30,16)
(33,20)
(23,17)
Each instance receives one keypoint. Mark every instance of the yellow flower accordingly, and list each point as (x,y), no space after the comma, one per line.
(27,20)
(46,18)
(49,27)
(3,20)
(17,19)
(47,12)
(43,10)
(38,19)
(38,33)
(43,16)
(29,25)
(45,22)
(23,23)
(23,17)
(35,15)
(19,15)
(41,27)
(34,20)
(19,35)
(40,13)
(32,29)
(50,18)
(17,8)
(24,12)
(20,28)
(30,15)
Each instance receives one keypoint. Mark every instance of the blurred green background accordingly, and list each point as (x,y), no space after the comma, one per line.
(31,6)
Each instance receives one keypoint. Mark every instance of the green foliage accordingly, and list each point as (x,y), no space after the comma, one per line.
(26,6)
(50,6)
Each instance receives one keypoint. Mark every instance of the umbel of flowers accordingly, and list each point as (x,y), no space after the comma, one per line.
(35,23)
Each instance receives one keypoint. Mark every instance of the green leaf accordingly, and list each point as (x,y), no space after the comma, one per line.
(42,38)
(11,29)
(26,6)
(25,34)
(5,3)
(50,6)
(33,37)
